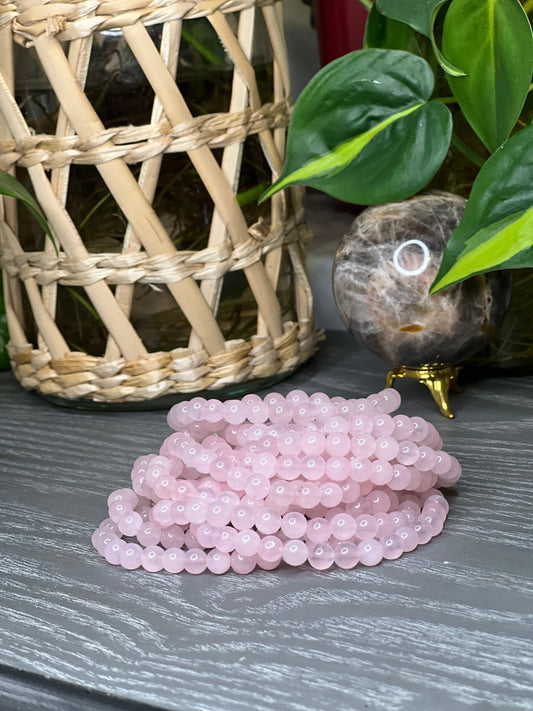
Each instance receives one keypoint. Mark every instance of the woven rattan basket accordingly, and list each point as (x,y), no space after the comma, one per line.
(61,35)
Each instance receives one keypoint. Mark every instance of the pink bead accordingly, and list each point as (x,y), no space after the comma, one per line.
(195,561)
(257,486)
(303,413)
(268,444)
(109,525)
(381,472)
(343,526)
(386,448)
(242,517)
(433,521)
(237,478)
(318,530)
(295,552)
(420,429)
(451,476)
(320,555)
(308,495)
(363,445)
(392,546)
(289,467)
(161,513)
(399,519)
(360,469)
(423,533)
(178,416)
(205,535)
(346,555)
(281,496)
(100,539)
(118,509)
(247,542)
(313,443)
(427,459)
(270,549)
(403,427)
(297,397)
(130,523)
(351,491)
(152,559)
(170,537)
(379,501)
(267,521)
(400,477)
(225,539)
(242,564)
(408,453)
(385,524)
(337,425)
(313,467)
(437,499)
(130,556)
(218,562)
(280,413)
(234,412)
(294,524)
(165,488)
(274,399)
(177,514)
(113,551)
(318,398)
(366,527)
(359,507)
(125,496)
(173,560)
(196,510)
(338,445)
(289,443)
(391,399)
(220,467)
(408,537)
(330,494)
(264,463)
(382,425)
(370,552)
(443,463)
(213,411)
(325,411)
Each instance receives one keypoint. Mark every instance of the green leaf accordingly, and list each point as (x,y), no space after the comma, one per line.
(491,40)
(496,231)
(363,130)
(418,14)
(383,33)
(12,187)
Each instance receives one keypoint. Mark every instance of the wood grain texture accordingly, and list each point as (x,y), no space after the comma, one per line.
(447,627)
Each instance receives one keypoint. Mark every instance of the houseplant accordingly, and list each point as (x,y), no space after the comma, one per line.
(435,77)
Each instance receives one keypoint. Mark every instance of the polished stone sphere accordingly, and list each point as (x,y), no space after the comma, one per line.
(383,270)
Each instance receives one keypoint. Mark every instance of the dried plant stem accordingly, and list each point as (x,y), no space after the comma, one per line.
(149,175)
(65,232)
(208,170)
(126,191)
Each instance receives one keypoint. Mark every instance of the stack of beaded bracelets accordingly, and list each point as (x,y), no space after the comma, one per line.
(255,482)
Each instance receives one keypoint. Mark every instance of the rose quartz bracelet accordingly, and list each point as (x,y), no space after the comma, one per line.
(255,482)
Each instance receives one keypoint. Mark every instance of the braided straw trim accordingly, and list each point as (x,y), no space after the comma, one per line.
(135,144)
(181,371)
(72,20)
(123,268)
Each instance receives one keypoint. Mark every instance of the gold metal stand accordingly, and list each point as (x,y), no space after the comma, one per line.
(437,377)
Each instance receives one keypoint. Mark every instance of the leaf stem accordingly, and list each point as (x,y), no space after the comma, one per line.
(467,152)
(446,99)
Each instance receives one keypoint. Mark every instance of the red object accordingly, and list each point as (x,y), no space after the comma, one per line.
(340,26)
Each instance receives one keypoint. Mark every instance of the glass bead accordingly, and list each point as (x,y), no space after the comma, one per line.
(325,411)
(152,559)
(234,412)
(289,467)
(303,413)
(267,521)
(101,537)
(237,478)
(113,551)
(433,521)
(265,464)
(443,463)
(330,494)
(124,495)
(379,501)
(130,523)
(360,469)
(242,517)
(313,443)
(247,542)
(258,412)
(270,549)
(289,444)
(391,398)
(173,560)
(308,495)
(196,510)
(420,429)
(218,562)
(427,459)
(337,425)
(437,499)
(408,452)
(297,397)
(257,486)
(386,448)
(295,552)
(109,525)
(382,425)
(351,491)
(280,413)
(171,536)
(415,479)
(225,539)
(118,509)
(370,552)
(392,546)
(338,444)
(320,555)
(130,556)
(294,524)
(343,526)
(205,535)
(450,477)
(366,527)
(400,477)
(165,488)
(318,398)
(381,472)
(408,538)
(242,564)
(177,514)
(318,530)
(385,524)
(313,467)
(281,496)
(363,445)
(346,555)
(195,561)
(423,533)
(273,399)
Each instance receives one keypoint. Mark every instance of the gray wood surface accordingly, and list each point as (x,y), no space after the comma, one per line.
(447,627)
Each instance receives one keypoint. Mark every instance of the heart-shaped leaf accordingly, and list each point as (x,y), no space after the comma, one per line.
(418,14)
(363,130)
(383,33)
(496,231)
(491,41)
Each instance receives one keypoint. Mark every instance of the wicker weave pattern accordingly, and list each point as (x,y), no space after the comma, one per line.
(127,371)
